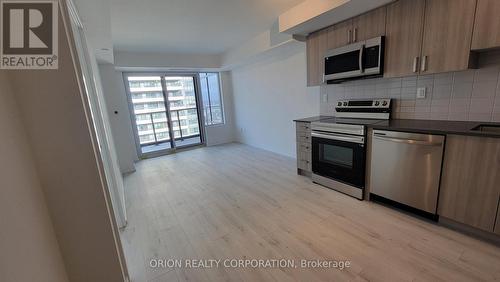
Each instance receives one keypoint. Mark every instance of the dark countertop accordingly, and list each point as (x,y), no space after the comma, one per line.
(312,119)
(436,127)
(426,126)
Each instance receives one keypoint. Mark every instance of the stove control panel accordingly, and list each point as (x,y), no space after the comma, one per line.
(364,104)
(369,108)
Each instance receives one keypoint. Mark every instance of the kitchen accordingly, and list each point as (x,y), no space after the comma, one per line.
(391,137)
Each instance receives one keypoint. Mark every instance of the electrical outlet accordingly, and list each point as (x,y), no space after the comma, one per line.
(421,93)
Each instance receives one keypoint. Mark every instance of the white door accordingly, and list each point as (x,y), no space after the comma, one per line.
(91,80)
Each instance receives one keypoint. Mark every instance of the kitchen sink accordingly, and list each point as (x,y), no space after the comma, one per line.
(487,128)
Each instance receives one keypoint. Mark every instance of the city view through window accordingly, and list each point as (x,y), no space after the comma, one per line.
(212,101)
(154,129)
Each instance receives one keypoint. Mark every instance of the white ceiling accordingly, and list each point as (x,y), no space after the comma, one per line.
(190,26)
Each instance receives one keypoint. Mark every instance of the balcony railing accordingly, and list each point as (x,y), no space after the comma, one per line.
(176,117)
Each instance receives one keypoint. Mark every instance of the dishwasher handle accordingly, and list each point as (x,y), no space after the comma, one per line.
(408,141)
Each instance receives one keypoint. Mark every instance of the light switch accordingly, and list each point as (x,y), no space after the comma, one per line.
(325,97)
(421,93)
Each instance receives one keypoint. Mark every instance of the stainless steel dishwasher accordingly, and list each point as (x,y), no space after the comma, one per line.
(406,168)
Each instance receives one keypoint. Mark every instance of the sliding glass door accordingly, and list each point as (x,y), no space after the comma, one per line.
(183,105)
(164,111)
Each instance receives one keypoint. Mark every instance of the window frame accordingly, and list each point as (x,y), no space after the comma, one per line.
(162,75)
(221,97)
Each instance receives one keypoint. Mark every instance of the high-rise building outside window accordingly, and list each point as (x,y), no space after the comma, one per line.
(212,100)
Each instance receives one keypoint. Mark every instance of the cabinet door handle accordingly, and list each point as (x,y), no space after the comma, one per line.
(349,36)
(415,64)
(423,67)
(355,35)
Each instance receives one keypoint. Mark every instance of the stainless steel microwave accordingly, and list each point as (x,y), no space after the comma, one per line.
(361,59)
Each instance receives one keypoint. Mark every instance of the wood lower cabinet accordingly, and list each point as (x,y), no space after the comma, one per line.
(403,41)
(304,160)
(487,25)
(447,37)
(369,25)
(470,184)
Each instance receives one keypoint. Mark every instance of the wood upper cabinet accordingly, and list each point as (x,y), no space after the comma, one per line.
(316,45)
(365,26)
(470,184)
(369,25)
(447,38)
(322,48)
(312,45)
(422,36)
(487,25)
(403,41)
(339,35)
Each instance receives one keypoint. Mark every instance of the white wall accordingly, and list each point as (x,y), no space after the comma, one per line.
(29,248)
(121,124)
(269,94)
(165,60)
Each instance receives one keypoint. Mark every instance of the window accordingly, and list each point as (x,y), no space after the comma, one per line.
(212,101)
(155,122)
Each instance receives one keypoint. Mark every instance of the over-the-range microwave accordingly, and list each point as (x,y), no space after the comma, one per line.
(361,59)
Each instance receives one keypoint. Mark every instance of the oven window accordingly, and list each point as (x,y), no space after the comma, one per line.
(336,155)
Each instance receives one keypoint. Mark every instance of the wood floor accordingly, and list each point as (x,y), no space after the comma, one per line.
(235,201)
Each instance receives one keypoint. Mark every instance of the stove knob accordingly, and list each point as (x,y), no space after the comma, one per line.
(339,104)
(384,103)
(345,104)
(377,103)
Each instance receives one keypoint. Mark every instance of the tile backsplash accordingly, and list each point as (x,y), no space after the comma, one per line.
(467,95)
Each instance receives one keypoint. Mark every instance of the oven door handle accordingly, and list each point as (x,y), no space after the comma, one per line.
(338,137)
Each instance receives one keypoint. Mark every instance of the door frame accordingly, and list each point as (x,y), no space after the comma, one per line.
(199,106)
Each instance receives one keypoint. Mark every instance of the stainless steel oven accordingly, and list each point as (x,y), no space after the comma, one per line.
(339,144)
(338,158)
(360,59)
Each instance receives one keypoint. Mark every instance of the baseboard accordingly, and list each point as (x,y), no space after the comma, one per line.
(471,231)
